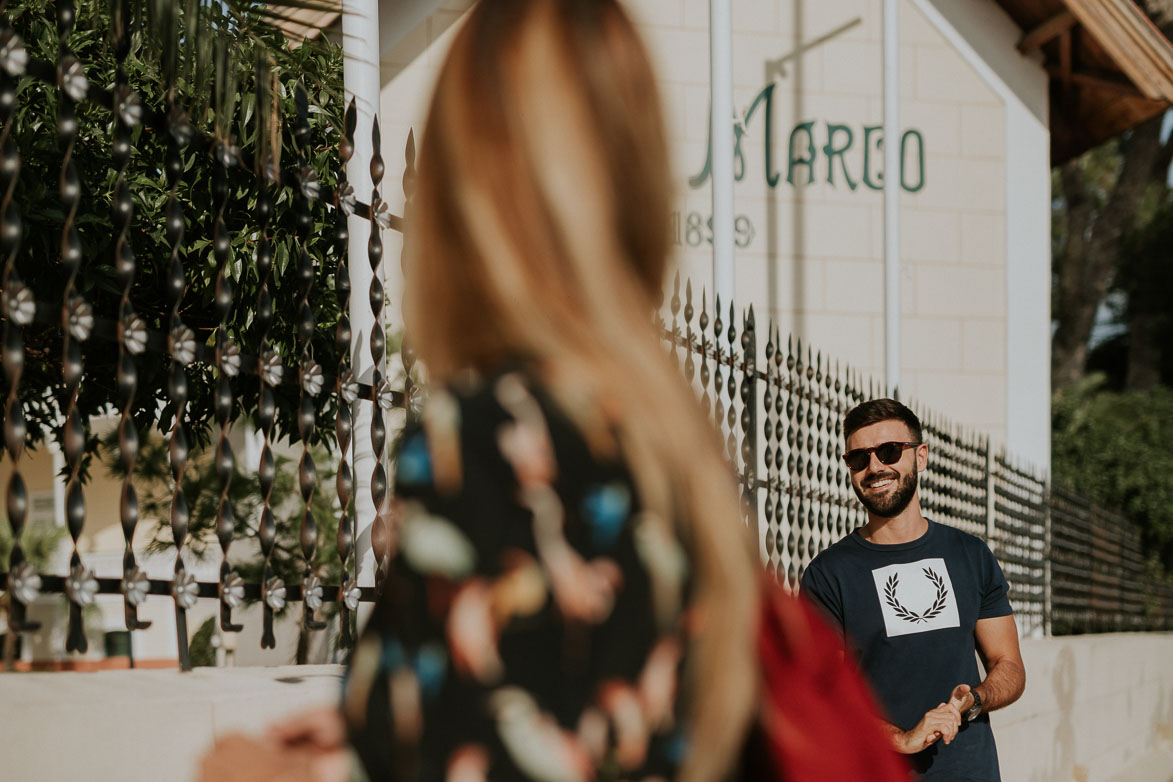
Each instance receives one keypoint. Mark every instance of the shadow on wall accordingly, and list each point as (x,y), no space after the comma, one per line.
(1062,767)
(1063,762)
(407,37)
(1163,718)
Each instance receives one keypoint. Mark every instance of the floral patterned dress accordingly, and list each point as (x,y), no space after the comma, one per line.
(530,627)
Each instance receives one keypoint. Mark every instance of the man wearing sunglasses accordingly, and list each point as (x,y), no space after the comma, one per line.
(914,600)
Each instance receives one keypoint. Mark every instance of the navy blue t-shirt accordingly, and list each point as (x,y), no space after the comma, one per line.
(908,612)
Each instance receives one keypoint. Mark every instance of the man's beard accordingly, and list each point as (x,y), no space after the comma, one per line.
(893,505)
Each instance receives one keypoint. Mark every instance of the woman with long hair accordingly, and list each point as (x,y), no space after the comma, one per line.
(572,594)
(537,243)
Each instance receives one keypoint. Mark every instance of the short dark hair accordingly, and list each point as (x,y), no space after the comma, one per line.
(874,411)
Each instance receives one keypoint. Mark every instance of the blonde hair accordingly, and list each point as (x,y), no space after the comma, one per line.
(539,231)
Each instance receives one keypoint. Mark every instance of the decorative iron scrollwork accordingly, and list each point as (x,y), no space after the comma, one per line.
(309,371)
(24,584)
(73,83)
(347,387)
(378,344)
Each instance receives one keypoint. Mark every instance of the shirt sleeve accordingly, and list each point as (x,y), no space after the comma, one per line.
(994,587)
(825,594)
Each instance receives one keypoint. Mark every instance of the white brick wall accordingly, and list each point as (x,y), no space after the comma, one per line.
(983,238)
(983,346)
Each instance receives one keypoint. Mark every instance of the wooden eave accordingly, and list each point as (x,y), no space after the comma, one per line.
(1110,67)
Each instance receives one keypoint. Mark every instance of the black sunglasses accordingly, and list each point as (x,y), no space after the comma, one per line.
(888,453)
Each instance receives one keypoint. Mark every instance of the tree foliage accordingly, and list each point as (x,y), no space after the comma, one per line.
(201,650)
(1140,355)
(1113,403)
(38,542)
(1112,447)
(235,108)
(1102,199)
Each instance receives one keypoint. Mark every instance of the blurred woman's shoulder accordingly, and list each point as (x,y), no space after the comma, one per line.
(540,430)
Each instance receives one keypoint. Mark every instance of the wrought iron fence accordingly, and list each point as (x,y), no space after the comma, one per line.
(1099,580)
(781,415)
(1072,566)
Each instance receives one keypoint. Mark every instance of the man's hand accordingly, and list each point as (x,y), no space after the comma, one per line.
(320,735)
(962,698)
(941,723)
(240,758)
(321,728)
(308,747)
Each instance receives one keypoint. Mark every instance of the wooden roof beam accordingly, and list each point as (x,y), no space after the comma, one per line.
(1057,25)
(1132,41)
(1101,80)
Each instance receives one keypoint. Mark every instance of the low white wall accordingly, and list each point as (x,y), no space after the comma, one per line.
(142,726)
(1096,709)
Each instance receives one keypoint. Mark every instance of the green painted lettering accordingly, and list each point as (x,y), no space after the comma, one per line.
(831,151)
(698,181)
(767,95)
(802,151)
(811,151)
(868,132)
(920,161)
(766,98)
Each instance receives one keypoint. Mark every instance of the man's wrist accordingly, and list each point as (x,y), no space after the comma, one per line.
(975,707)
(966,705)
(898,738)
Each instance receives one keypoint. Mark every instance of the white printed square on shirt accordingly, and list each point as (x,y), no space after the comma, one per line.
(916,597)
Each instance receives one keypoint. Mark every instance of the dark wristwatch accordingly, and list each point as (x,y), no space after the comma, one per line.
(973,711)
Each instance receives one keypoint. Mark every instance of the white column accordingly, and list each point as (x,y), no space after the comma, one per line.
(360,44)
(1028,287)
(721,133)
(892,175)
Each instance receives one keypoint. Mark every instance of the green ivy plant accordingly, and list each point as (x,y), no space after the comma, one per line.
(246,99)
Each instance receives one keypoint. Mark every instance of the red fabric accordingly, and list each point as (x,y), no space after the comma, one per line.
(819,721)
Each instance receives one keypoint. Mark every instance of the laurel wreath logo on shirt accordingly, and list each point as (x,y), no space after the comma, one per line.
(904,613)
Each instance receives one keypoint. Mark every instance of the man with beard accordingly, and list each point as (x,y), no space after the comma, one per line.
(914,600)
